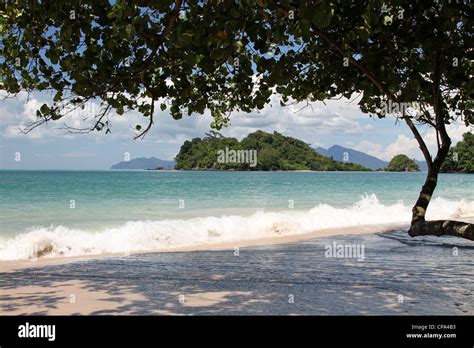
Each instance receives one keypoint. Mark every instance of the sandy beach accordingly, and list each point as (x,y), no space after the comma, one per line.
(293,275)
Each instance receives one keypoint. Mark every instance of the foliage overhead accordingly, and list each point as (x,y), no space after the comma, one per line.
(192,56)
(273,152)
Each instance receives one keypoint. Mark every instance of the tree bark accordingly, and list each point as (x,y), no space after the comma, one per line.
(442,228)
(421,205)
(420,227)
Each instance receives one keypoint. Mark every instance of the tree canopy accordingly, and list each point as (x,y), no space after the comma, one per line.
(221,56)
(461,157)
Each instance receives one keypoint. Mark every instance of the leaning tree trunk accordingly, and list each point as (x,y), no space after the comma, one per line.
(420,227)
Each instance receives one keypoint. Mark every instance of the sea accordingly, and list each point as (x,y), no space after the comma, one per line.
(74,213)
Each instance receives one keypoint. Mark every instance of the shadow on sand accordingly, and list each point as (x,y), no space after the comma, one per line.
(398,276)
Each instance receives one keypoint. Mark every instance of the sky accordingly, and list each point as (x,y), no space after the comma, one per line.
(320,124)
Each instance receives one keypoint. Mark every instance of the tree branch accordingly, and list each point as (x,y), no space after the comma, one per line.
(150,123)
(443,228)
(439,113)
(172,20)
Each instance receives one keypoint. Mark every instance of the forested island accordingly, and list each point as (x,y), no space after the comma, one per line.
(273,152)
(402,163)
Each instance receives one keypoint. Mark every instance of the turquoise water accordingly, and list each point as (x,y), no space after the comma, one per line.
(157,205)
(103,198)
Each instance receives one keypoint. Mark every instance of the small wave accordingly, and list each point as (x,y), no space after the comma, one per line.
(57,241)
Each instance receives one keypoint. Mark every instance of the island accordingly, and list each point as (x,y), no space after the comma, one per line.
(259,151)
(402,163)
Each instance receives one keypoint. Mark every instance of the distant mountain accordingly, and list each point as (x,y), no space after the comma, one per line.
(144,163)
(338,152)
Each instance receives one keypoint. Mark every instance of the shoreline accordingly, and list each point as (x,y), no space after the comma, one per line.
(14,265)
(215,281)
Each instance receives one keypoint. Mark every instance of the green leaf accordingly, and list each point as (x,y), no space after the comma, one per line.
(304,26)
(58,96)
(174,109)
(186,39)
(44,109)
(322,15)
(130,30)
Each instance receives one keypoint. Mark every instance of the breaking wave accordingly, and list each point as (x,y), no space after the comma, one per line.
(147,235)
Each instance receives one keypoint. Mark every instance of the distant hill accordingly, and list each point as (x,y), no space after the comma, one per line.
(337,152)
(259,151)
(144,163)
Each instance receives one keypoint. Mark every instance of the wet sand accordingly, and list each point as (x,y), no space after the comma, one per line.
(399,275)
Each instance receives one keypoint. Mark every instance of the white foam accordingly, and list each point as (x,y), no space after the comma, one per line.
(165,234)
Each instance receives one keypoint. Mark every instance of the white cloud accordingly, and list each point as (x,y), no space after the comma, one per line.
(370,148)
(403,145)
(408,145)
(302,120)
(333,116)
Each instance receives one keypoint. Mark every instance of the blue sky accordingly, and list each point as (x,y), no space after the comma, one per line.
(322,124)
